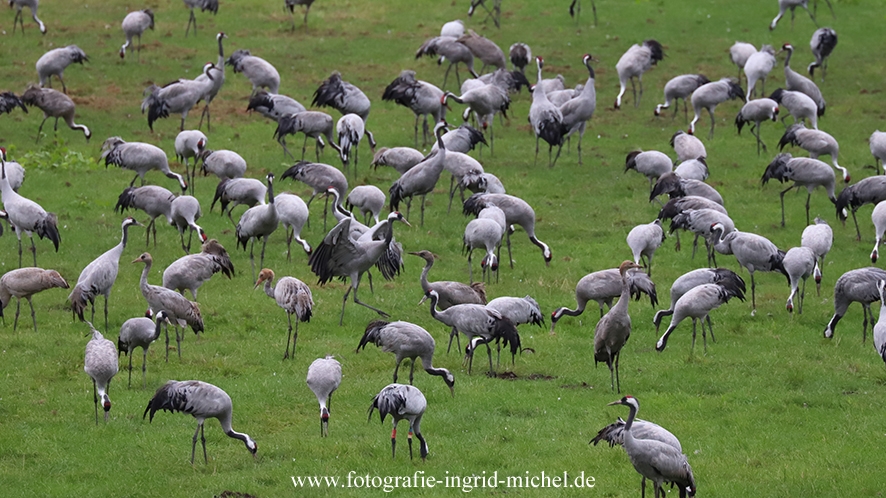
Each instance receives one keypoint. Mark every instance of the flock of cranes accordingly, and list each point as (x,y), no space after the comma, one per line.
(351,248)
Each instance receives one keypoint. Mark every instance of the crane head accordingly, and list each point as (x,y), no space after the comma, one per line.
(3,154)
(265,274)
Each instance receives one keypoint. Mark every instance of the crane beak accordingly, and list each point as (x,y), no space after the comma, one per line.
(614,403)
(452,391)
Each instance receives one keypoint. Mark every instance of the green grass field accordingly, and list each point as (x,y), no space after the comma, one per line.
(772,409)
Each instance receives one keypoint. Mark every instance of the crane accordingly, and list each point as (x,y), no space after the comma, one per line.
(739,53)
(757,68)
(655,460)
(423,98)
(859,285)
(319,177)
(518,310)
(753,252)
(100,363)
(693,169)
(448,48)
(19,18)
(24,283)
(261,73)
(675,186)
(603,286)
(804,172)
(688,281)
(181,311)
(678,205)
(402,159)
(700,222)
(178,97)
(454,28)
(54,104)
(274,106)
(797,82)
(324,377)
(878,149)
(520,56)
(870,190)
(697,303)
(880,328)
(9,101)
(485,101)
(799,105)
(212,85)
(140,332)
(293,214)
(483,233)
(25,215)
(484,49)
(201,400)
(185,211)
(517,212)
(545,118)
(580,109)
(134,24)
(651,163)
(190,144)
(878,217)
(816,142)
(637,60)
(193,270)
(203,5)
(369,199)
(258,222)
(819,237)
(339,256)
(687,146)
(402,403)
(139,157)
(314,124)
(153,200)
(422,178)
(799,263)
(709,96)
(644,240)
(99,276)
(224,164)
(755,112)
(823,42)
(236,191)
(54,62)
(406,340)
(350,131)
(680,87)
(784,5)
(614,328)
(290,4)
(291,294)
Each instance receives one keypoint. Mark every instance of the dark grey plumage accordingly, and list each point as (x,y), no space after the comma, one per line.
(858,285)
(153,200)
(100,363)
(423,98)
(675,186)
(344,97)
(274,106)
(54,104)
(402,403)
(193,270)
(9,101)
(804,172)
(871,190)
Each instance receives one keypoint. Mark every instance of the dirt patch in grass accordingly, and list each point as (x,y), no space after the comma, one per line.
(583,385)
(235,494)
(513,376)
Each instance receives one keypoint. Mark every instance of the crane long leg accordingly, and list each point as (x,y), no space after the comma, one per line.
(411,370)
(470,273)
(191,19)
(18,303)
(423,197)
(144,367)
(106,313)
(809,196)
(129,386)
(33,315)
(33,250)
(94,393)
(380,312)
(617,358)
(252,257)
(634,89)
(854,219)
(783,192)
(452,334)
(289,336)
(711,134)
(710,328)
(489,353)
(753,295)
(40,129)
(394,440)
(194,442)
(178,342)
(511,258)
(262,259)
(166,330)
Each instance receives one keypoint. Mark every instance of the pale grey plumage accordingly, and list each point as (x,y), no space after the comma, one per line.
(799,105)
(324,377)
(753,252)
(274,106)
(153,200)
(100,363)
(485,101)
(402,403)
(880,327)
(799,264)
(858,285)
(757,68)
(258,222)
(293,214)
(139,157)
(185,211)
(804,172)
(614,328)
(819,237)
(603,286)
(177,97)
(423,98)
(680,87)
(460,165)
(693,169)
(134,24)
(54,62)
(785,5)
(190,144)
(450,293)
(694,278)
(237,191)
(462,139)
(709,96)
(878,149)
(448,48)
(633,63)
(24,283)
(223,164)
(816,142)
(644,240)
(545,118)
(99,276)
(484,49)
(580,109)
(54,104)
(294,296)
(739,53)
(399,158)
(517,212)
(454,28)
(319,177)
(870,190)
(687,146)
(212,85)
(203,5)
(518,310)
(200,400)
(482,183)
(700,222)
(314,124)
(15,174)
(420,179)
(32,5)
(755,112)
(192,271)
(697,303)
(369,199)
(878,217)
(675,186)
(651,163)
(25,215)
(485,234)
(350,132)
(140,332)
(345,97)
(797,82)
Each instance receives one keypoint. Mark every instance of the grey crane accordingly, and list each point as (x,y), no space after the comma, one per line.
(655,460)
(274,106)
(212,85)
(406,340)
(859,285)
(185,211)
(423,98)
(520,56)
(870,190)
(484,49)
(99,276)
(54,104)
(460,165)
(797,82)
(693,169)
(560,97)
(494,13)
(15,174)
(637,60)
(19,18)
(651,163)
(26,216)
(190,144)
(462,139)
(878,149)
(879,332)
(319,177)
(755,112)
(878,217)
(9,101)
(350,131)
(804,172)
(697,304)
(799,105)
(291,294)
(324,377)
(799,264)
(480,324)
(753,252)
(290,4)
(485,101)
(346,98)
(483,233)
(675,186)
(193,270)
(153,200)
(684,283)
(518,310)
(823,42)
(545,118)
(603,286)
(739,53)
(448,48)
(784,5)
(614,328)
(758,67)
(134,24)
(402,403)
(339,256)
(54,62)
(237,191)
(203,5)
(422,178)
(369,199)
(261,73)
(819,237)
(816,142)
(224,164)
(454,28)
(178,97)
(24,283)
(314,124)
(699,222)
(644,240)
(258,222)
(687,146)
(139,157)
(580,109)
(100,363)
(677,205)
(293,214)
(181,311)
(517,212)
(680,87)
(399,158)
(709,96)
(200,400)
(482,183)
(140,332)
